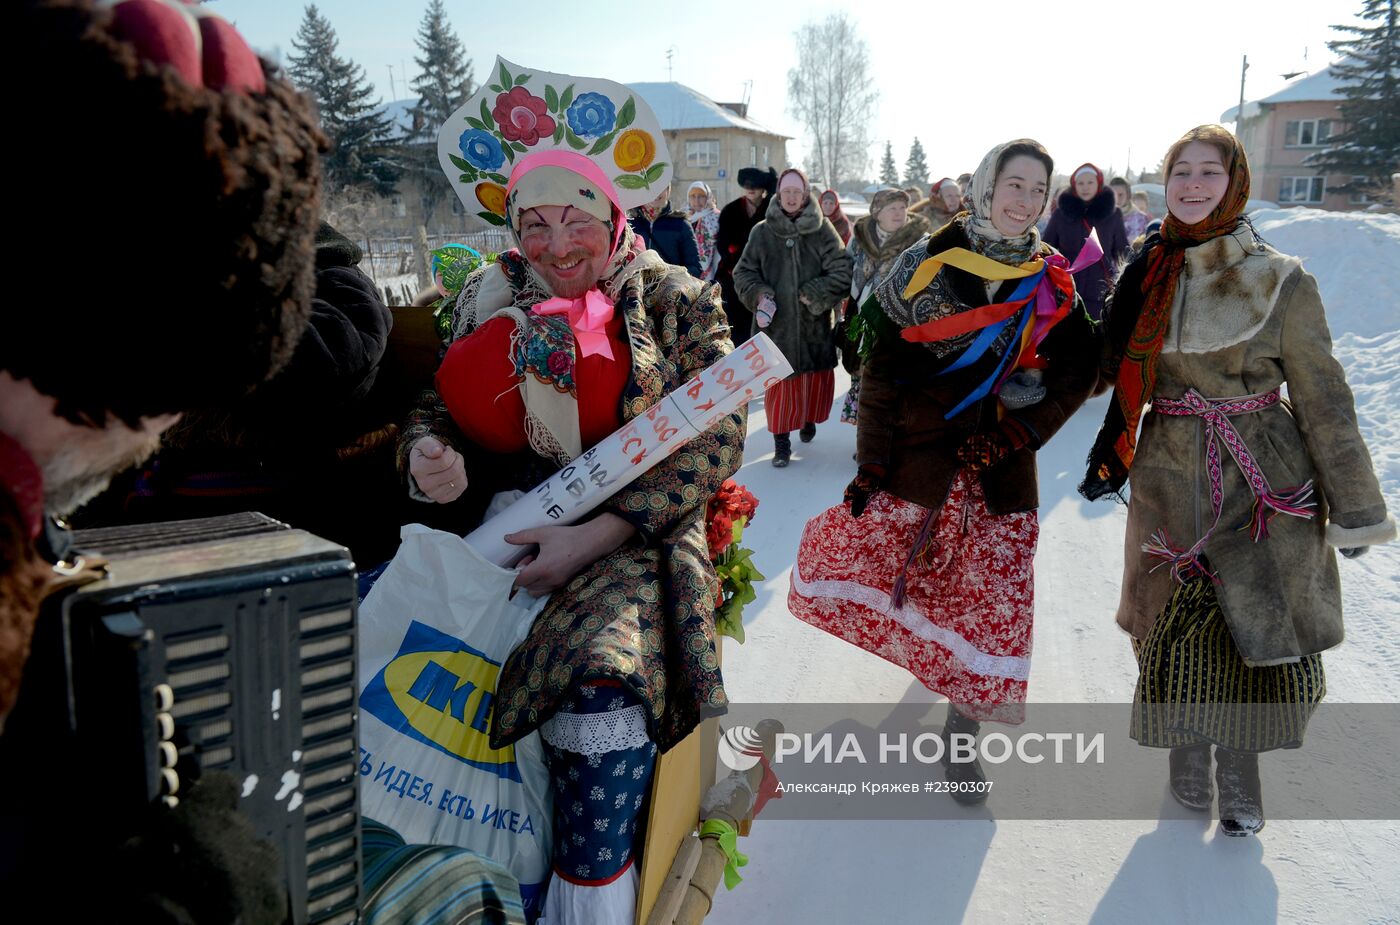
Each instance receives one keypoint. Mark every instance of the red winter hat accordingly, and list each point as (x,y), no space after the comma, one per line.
(202,48)
(1098,174)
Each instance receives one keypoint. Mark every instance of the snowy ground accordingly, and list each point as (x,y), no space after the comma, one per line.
(1170,870)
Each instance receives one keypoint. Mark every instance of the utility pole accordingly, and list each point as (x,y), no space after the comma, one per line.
(393,94)
(1239,114)
(670,52)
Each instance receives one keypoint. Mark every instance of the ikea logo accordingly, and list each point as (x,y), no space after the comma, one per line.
(439,691)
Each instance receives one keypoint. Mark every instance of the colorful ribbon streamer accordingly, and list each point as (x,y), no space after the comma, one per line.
(588,318)
(728,839)
(1041,279)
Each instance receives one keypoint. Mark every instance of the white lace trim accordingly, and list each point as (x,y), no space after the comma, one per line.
(1014,667)
(597,733)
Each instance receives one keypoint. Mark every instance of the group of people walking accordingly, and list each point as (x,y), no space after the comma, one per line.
(971,336)
(974,324)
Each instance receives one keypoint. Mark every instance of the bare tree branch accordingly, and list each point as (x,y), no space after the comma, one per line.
(832,92)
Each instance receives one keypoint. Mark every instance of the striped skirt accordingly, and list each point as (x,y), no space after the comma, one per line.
(801,399)
(433,884)
(1194,686)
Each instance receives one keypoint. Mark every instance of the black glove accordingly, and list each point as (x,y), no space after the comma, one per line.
(868,480)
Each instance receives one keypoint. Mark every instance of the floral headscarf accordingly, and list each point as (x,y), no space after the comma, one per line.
(982,235)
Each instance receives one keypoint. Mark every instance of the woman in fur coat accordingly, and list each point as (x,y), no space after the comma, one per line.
(928,562)
(736,223)
(877,241)
(1230,586)
(1088,206)
(793,276)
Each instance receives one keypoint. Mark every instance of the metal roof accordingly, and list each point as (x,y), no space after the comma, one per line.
(679,107)
(1322,86)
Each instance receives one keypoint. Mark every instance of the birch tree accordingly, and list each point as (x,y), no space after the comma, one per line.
(832,92)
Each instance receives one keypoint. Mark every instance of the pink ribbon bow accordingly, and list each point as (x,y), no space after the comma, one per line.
(588,319)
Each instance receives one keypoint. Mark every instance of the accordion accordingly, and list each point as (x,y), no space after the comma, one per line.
(225,644)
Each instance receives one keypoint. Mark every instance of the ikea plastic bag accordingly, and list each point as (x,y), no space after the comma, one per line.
(434,632)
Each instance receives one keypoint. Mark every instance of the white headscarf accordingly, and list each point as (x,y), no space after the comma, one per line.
(981,233)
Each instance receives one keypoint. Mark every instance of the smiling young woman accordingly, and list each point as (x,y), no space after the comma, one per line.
(1239,616)
(928,561)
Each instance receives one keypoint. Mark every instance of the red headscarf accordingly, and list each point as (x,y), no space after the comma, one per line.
(838,219)
(1141,344)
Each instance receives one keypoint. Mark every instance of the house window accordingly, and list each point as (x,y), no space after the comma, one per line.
(753,155)
(400,207)
(765,156)
(703,153)
(1307,133)
(1301,189)
(1357,197)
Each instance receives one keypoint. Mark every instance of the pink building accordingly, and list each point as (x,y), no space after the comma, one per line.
(1282,130)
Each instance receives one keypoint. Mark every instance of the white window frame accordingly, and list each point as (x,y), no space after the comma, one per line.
(1310,184)
(1358,198)
(1313,128)
(702,152)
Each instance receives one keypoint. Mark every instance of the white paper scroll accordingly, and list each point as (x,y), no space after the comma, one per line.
(640,444)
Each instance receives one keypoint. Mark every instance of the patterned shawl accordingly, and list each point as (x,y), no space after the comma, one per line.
(1137,328)
(983,237)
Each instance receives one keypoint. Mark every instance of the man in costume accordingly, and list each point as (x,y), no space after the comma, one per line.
(564,340)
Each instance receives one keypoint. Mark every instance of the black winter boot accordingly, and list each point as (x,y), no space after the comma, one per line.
(969,782)
(782,450)
(1189,780)
(808,431)
(1241,800)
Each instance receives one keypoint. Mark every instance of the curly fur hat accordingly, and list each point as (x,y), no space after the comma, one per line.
(167,227)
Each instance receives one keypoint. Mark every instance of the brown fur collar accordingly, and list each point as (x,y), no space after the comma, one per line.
(904,237)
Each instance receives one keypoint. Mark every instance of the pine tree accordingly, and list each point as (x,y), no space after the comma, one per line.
(889,173)
(357,131)
(443,84)
(916,167)
(1369,146)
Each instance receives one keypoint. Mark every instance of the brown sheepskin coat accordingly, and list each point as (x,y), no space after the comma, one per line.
(1245,320)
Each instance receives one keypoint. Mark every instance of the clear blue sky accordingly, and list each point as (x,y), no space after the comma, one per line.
(1090,82)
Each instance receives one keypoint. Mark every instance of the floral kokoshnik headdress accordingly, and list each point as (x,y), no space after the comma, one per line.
(523,113)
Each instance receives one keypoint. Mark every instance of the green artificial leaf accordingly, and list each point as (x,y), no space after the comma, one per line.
(575,142)
(486,114)
(551,98)
(497,178)
(491,217)
(461,164)
(630,181)
(496,88)
(466,179)
(626,114)
(476,123)
(521,80)
(519,147)
(654,172)
(567,98)
(510,153)
(558,132)
(602,144)
(505,76)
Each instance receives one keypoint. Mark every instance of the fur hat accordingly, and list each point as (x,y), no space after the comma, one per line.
(887,197)
(170,219)
(753,178)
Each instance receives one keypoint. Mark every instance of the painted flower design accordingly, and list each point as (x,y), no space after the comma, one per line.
(481,149)
(492,196)
(591,115)
(522,117)
(560,362)
(634,151)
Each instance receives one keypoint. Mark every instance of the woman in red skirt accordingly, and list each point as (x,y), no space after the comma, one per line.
(928,561)
(793,276)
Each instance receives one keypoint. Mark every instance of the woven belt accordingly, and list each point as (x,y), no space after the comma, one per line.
(1215,414)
